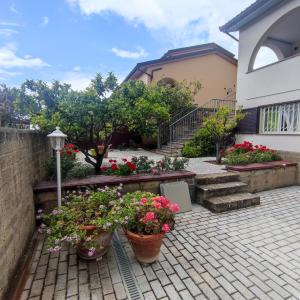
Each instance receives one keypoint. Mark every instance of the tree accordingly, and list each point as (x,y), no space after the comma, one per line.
(90,117)
(220,126)
(84,116)
(8,114)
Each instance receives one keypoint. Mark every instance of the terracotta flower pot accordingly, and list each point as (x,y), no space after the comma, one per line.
(102,241)
(145,247)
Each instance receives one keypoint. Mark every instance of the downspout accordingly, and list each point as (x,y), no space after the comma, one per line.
(150,75)
(232,36)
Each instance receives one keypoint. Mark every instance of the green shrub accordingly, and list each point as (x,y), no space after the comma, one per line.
(80,171)
(200,145)
(66,163)
(190,149)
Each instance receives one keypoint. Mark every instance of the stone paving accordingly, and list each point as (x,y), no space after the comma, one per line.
(197,165)
(252,253)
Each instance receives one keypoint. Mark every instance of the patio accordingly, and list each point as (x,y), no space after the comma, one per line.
(251,253)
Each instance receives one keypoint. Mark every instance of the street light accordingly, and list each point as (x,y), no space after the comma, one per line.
(57,141)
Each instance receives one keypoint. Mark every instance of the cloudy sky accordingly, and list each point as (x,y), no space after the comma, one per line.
(71,40)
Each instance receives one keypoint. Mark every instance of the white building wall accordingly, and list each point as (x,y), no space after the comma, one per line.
(271,84)
(278,142)
(276,83)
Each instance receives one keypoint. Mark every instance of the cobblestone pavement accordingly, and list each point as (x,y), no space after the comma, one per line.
(197,165)
(252,253)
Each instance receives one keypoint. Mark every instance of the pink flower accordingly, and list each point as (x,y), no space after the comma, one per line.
(149,216)
(144,200)
(165,228)
(157,205)
(174,207)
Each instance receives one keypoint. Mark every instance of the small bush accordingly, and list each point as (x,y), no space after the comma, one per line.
(67,162)
(201,145)
(80,171)
(190,149)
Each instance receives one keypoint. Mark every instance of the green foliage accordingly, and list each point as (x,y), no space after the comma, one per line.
(169,164)
(201,145)
(220,126)
(190,149)
(105,210)
(90,117)
(143,164)
(247,153)
(66,163)
(80,170)
(8,113)
(250,158)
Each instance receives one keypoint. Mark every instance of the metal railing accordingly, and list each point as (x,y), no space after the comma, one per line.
(186,124)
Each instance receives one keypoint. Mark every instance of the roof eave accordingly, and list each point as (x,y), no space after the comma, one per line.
(246,17)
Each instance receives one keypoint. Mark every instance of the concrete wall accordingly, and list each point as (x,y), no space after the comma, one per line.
(22,163)
(271,84)
(215,73)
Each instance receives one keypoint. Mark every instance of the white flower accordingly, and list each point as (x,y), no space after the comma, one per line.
(39,211)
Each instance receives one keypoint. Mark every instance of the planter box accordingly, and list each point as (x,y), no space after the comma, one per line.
(267,176)
(45,192)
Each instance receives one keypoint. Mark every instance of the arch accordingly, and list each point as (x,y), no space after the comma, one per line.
(167,81)
(282,37)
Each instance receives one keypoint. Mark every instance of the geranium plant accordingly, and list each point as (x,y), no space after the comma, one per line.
(102,211)
(151,214)
(124,168)
(247,153)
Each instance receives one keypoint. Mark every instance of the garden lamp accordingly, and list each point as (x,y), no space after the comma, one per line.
(57,141)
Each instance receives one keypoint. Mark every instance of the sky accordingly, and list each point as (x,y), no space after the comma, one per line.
(72,40)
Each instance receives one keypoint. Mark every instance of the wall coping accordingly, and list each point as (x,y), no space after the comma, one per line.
(103,180)
(262,166)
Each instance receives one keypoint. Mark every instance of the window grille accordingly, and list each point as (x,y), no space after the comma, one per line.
(281,118)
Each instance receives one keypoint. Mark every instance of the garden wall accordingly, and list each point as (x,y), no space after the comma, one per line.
(292,156)
(23,155)
(259,180)
(46,191)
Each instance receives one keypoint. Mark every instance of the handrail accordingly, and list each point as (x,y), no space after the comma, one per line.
(169,131)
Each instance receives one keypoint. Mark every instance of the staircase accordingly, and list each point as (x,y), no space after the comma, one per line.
(182,127)
(223,192)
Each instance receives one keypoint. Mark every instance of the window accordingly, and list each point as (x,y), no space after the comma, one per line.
(283,118)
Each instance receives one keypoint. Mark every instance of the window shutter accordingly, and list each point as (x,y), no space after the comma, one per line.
(250,123)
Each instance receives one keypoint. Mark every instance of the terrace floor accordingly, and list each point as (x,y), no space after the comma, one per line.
(251,253)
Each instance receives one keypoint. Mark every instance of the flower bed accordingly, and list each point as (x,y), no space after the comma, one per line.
(143,165)
(247,153)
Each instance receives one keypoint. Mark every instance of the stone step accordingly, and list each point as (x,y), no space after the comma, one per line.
(207,191)
(231,202)
(216,178)
(166,152)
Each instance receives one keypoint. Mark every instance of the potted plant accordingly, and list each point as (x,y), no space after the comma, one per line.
(87,220)
(152,216)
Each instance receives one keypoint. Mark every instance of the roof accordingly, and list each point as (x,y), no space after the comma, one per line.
(182,53)
(255,10)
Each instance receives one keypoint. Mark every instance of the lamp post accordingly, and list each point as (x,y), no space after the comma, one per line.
(57,141)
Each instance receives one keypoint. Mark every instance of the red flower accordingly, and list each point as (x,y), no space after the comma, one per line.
(69,152)
(71,146)
(104,169)
(114,167)
(131,165)
(124,159)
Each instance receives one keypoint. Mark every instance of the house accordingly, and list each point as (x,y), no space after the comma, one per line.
(270,93)
(213,66)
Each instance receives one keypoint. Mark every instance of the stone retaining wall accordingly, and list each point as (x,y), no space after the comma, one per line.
(263,180)
(46,191)
(292,156)
(23,155)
